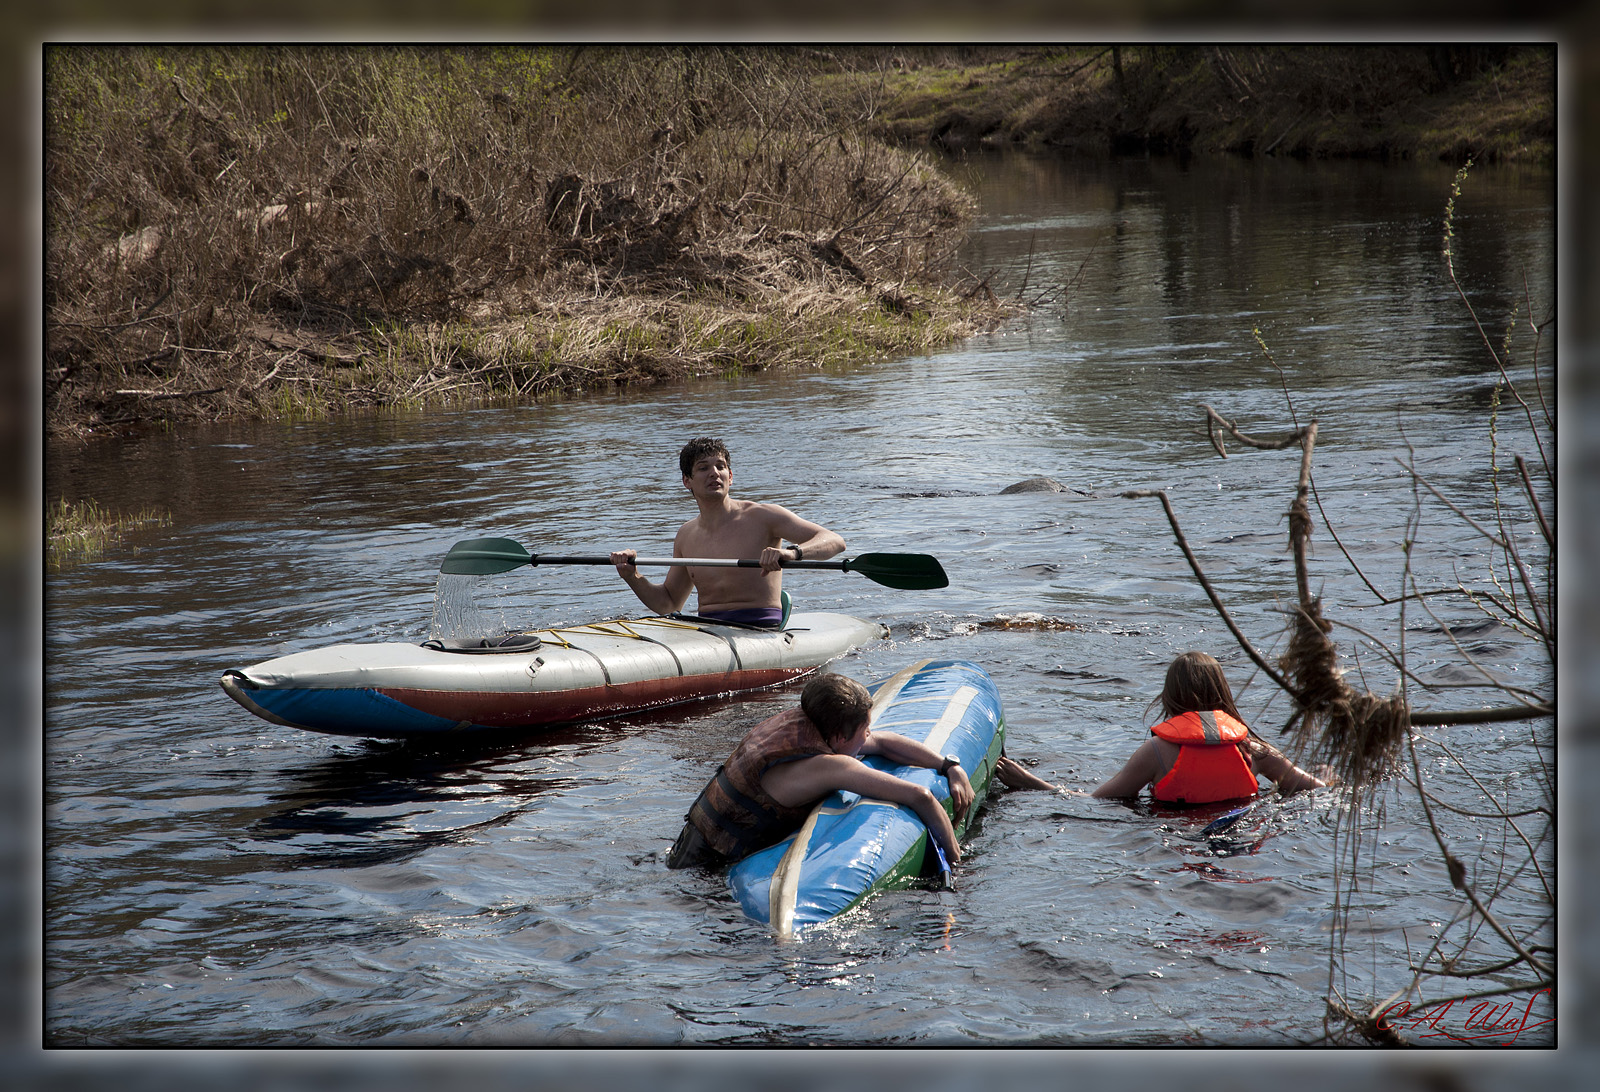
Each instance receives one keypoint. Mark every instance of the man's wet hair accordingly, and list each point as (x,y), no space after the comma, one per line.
(836,704)
(695,450)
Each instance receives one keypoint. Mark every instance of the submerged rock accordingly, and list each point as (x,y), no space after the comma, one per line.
(1035,485)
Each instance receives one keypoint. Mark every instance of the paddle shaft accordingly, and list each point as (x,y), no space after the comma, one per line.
(708,562)
(487,556)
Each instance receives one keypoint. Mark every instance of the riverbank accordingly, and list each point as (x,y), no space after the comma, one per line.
(287,232)
(1392,103)
(301,232)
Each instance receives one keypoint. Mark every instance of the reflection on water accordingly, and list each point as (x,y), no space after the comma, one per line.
(394,802)
(216,879)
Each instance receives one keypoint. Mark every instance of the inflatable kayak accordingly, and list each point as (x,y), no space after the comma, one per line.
(536,679)
(852,846)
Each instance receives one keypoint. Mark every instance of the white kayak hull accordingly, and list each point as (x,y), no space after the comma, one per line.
(573,674)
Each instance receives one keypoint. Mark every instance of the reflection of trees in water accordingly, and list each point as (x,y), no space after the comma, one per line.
(1492,944)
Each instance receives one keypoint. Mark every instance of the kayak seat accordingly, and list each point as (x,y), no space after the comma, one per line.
(508,642)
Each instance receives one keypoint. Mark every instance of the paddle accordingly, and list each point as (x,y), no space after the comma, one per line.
(485,556)
(947,879)
(1221,823)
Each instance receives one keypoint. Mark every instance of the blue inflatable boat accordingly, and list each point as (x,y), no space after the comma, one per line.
(850,846)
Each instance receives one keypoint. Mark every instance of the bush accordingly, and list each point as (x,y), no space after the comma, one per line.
(197,199)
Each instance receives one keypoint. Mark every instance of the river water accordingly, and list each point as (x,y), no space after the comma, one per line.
(214,880)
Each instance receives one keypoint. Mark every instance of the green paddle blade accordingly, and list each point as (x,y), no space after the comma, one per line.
(484,557)
(908,572)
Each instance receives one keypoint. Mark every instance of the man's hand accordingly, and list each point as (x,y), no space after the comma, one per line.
(623,560)
(773,557)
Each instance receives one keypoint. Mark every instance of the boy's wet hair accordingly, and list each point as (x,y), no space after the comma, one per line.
(836,704)
(695,450)
(1195,684)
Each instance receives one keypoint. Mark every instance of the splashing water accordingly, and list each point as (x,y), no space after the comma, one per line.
(456,612)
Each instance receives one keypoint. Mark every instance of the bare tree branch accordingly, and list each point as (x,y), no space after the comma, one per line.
(1211,593)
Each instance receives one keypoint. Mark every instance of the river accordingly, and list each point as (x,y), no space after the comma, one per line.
(214,880)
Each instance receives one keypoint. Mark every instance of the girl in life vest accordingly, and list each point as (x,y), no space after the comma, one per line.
(1200,753)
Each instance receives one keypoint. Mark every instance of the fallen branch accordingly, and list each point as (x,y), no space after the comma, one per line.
(168,394)
(281,361)
(160,354)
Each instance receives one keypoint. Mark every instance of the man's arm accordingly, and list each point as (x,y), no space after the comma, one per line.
(805,780)
(662,598)
(816,542)
(908,752)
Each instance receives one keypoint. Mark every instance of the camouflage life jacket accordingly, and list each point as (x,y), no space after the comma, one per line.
(733,812)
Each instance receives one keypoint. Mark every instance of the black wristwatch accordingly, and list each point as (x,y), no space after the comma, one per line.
(949,760)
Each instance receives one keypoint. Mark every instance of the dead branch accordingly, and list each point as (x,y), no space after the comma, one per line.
(1481,716)
(1211,593)
(1540,623)
(1509,818)
(1215,419)
(1527,485)
(1398,663)
(1458,874)
(1472,313)
(1489,679)
(1545,983)
(160,354)
(168,394)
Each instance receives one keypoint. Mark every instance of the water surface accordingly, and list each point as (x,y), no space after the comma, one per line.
(212,879)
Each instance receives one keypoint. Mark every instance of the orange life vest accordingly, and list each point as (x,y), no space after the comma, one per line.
(733,812)
(1210,766)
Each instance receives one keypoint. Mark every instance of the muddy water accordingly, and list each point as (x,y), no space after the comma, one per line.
(212,879)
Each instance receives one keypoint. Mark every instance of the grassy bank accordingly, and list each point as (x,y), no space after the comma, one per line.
(283,231)
(267,231)
(1394,103)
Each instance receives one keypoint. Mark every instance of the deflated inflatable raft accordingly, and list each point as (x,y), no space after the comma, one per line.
(851,846)
(547,677)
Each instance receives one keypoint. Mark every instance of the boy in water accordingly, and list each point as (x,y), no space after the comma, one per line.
(788,762)
(728,528)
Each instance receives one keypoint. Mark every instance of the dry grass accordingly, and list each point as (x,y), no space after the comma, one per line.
(263,230)
(1358,734)
(75,533)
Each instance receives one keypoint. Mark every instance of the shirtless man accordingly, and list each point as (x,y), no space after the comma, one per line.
(728,528)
